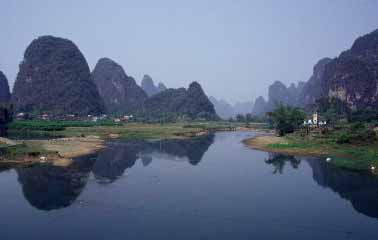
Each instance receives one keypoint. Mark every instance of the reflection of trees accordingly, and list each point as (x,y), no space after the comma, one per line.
(118,156)
(3,130)
(359,188)
(278,161)
(48,187)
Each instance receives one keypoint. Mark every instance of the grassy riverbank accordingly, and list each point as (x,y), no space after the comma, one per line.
(355,156)
(108,129)
(72,139)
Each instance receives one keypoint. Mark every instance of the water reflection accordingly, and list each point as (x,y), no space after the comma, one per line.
(119,156)
(48,187)
(3,130)
(358,188)
(114,160)
(278,161)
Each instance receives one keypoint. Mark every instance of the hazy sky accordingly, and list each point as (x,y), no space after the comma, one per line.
(235,49)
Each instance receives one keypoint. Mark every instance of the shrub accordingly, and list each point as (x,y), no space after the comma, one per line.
(286,118)
(343,138)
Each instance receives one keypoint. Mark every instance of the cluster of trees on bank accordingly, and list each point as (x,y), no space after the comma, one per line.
(349,127)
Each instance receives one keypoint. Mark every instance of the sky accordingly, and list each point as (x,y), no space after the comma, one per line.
(234,49)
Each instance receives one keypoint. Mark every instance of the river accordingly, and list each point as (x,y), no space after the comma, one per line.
(211,187)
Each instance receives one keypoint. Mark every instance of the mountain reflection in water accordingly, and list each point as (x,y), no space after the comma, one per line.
(119,156)
(358,188)
(47,187)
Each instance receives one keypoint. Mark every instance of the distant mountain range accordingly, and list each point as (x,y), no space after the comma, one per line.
(225,110)
(55,79)
(351,78)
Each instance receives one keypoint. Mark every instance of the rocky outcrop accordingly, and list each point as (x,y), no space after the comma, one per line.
(149,87)
(260,106)
(222,108)
(191,102)
(119,91)
(279,93)
(312,90)
(353,76)
(54,78)
(161,87)
(4,89)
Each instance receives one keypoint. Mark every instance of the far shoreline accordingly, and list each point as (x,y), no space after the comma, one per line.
(262,143)
(359,159)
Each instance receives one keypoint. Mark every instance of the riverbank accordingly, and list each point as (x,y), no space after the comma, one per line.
(349,156)
(64,143)
(58,152)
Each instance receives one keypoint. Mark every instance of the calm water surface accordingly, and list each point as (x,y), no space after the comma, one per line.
(212,187)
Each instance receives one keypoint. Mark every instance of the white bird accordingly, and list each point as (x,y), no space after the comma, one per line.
(328,159)
(372,168)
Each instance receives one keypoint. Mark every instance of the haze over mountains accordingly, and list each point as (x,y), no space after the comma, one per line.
(149,87)
(351,78)
(54,78)
(225,110)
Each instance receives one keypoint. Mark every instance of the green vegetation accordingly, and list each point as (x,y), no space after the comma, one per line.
(56,125)
(286,118)
(354,145)
(33,128)
(349,135)
(9,152)
(106,129)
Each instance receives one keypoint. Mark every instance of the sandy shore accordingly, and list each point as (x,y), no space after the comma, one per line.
(59,152)
(71,147)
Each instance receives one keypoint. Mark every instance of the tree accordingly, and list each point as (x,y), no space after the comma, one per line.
(286,118)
